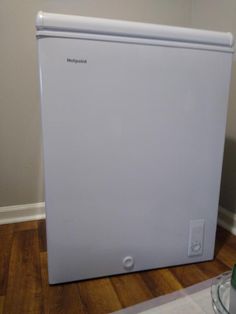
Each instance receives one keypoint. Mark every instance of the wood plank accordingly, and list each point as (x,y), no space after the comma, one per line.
(188,275)
(59,298)
(6,236)
(227,255)
(161,281)
(24,294)
(223,237)
(99,296)
(225,250)
(27,225)
(42,236)
(1,304)
(212,268)
(7,228)
(131,289)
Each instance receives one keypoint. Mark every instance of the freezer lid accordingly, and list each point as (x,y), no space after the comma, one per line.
(90,25)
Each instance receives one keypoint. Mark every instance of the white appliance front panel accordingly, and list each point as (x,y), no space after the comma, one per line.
(133,143)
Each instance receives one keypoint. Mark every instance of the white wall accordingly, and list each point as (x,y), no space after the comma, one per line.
(221,16)
(21,179)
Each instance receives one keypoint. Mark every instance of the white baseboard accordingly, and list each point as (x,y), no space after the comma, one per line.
(227,220)
(20,213)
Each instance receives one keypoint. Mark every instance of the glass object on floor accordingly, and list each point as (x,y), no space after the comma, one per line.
(220,293)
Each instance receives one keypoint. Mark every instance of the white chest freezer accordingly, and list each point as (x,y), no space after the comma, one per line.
(133,120)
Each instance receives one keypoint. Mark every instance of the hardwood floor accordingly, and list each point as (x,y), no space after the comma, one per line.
(24,287)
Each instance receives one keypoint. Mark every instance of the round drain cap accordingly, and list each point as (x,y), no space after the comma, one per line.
(128,262)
